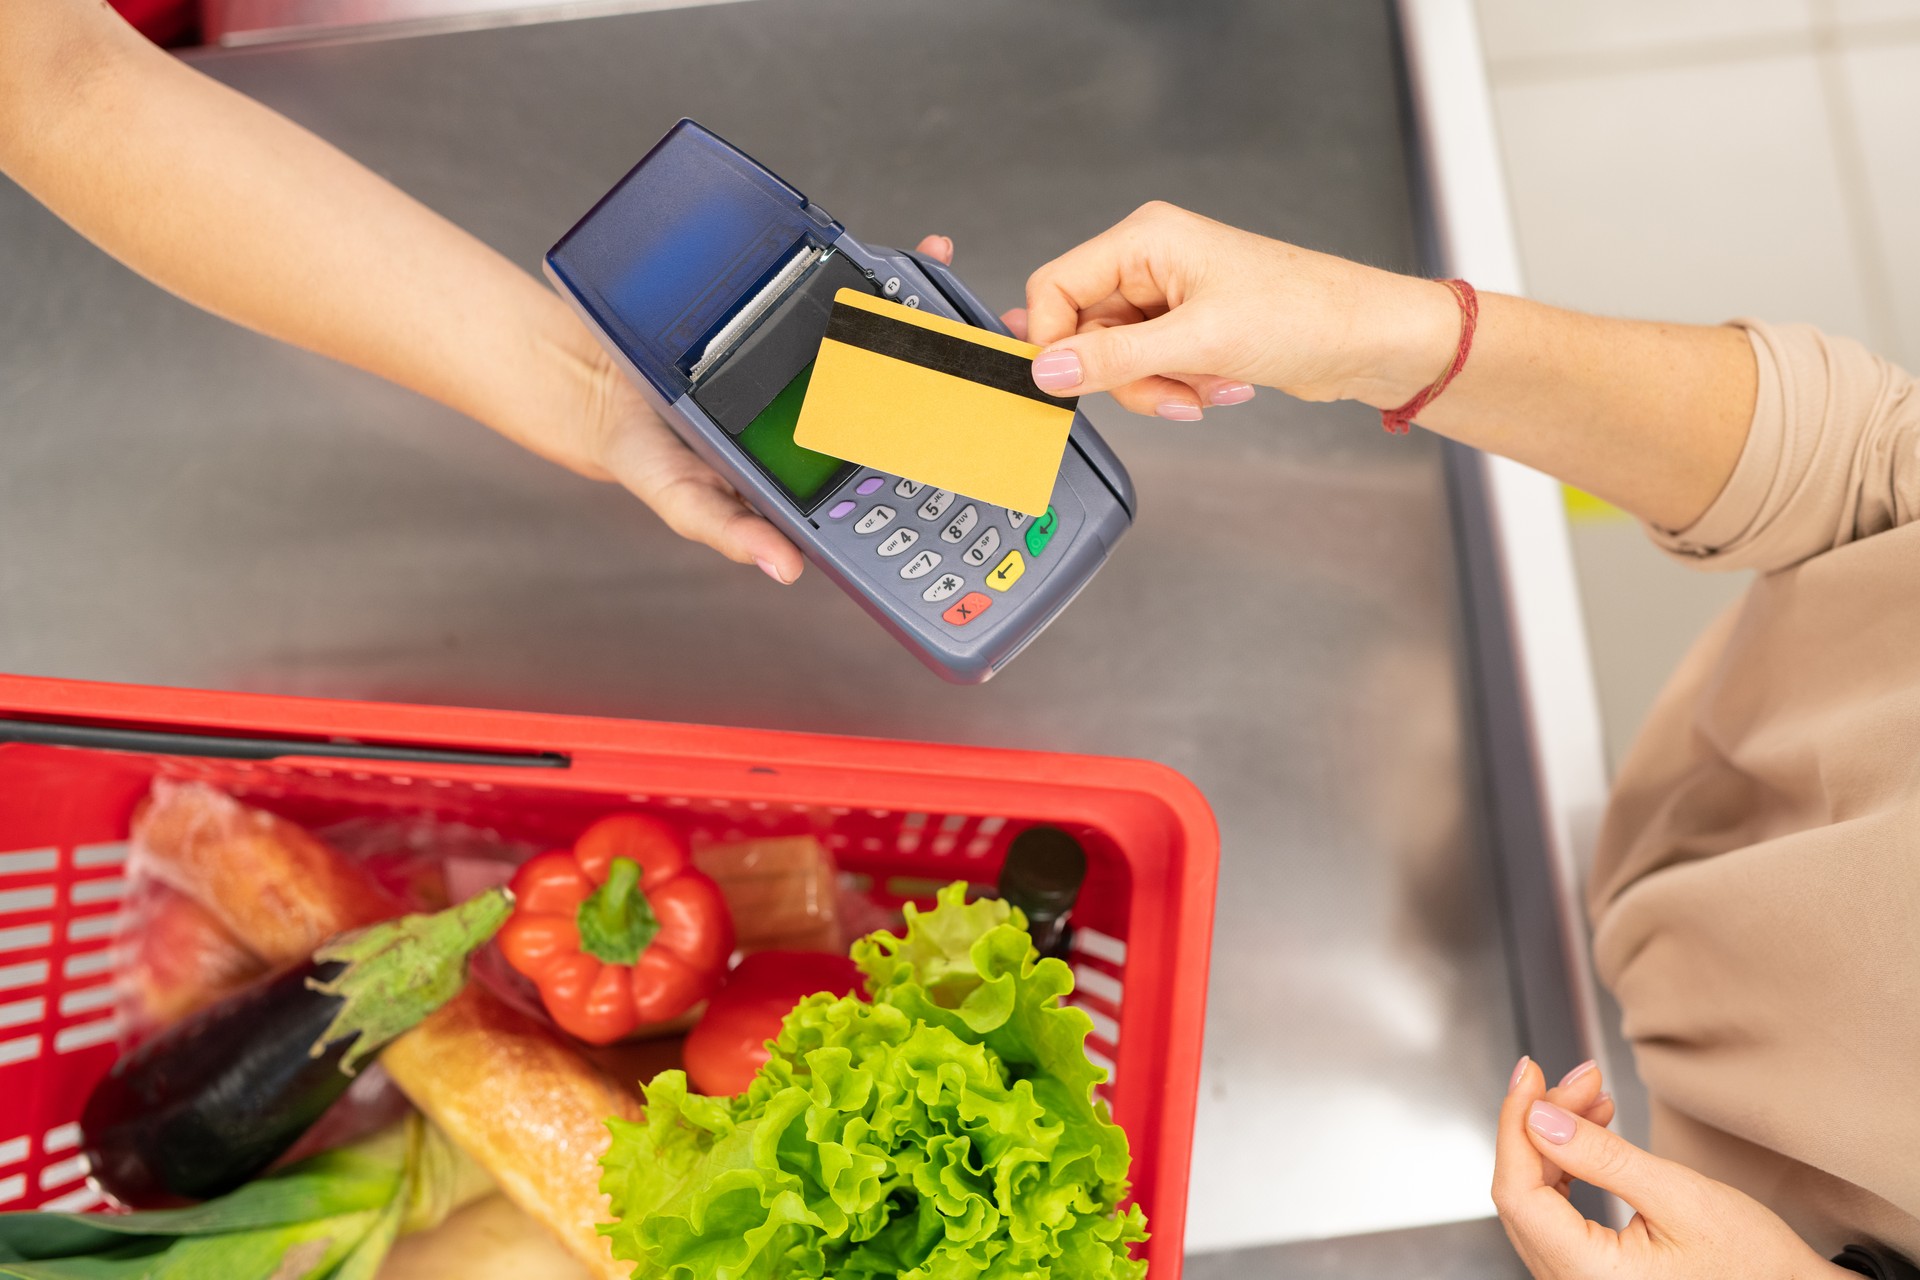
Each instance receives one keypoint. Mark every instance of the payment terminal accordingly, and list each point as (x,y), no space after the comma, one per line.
(710,280)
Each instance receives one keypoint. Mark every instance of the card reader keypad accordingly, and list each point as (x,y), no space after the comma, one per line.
(955,557)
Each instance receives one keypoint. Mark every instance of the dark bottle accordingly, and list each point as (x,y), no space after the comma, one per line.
(1042,875)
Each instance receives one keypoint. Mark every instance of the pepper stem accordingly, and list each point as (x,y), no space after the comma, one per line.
(616,921)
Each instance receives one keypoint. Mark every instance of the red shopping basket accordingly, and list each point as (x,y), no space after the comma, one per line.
(902,813)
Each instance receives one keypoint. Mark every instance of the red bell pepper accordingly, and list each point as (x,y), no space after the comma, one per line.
(729,1043)
(620,932)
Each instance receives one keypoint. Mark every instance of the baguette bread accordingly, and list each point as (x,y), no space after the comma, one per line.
(506,1089)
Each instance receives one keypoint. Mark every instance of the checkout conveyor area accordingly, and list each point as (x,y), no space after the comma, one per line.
(1364,649)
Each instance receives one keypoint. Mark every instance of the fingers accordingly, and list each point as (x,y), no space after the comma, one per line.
(1118,261)
(1582,1092)
(1541,1221)
(1141,363)
(1016,322)
(1112,356)
(695,502)
(939,248)
(1598,1156)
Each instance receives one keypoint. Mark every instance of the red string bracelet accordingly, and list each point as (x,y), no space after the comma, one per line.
(1396,421)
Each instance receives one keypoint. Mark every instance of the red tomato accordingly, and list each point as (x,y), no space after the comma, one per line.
(729,1043)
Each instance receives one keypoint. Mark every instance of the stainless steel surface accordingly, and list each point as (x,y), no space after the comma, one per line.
(1471,227)
(184,503)
(1476,1250)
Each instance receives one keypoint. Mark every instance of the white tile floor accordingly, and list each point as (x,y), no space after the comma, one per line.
(1697,160)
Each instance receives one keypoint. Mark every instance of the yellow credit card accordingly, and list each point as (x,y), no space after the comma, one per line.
(934,400)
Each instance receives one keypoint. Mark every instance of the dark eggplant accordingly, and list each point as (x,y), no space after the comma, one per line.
(209,1103)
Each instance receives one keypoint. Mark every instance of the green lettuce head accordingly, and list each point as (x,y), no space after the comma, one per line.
(946,1130)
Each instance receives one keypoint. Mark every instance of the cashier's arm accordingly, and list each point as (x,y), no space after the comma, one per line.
(238,210)
(1651,417)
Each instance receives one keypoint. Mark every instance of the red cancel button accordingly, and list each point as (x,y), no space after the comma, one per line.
(967,608)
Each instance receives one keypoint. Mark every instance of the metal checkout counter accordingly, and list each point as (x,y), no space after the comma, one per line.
(1366,650)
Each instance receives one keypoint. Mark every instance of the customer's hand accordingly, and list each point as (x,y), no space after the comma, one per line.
(1685,1226)
(621,438)
(1173,312)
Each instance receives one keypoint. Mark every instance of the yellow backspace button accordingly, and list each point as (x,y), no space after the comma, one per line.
(1007,572)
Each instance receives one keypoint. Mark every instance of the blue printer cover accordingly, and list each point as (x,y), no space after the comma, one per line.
(666,255)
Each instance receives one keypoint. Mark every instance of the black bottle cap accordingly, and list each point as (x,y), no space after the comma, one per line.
(1044,870)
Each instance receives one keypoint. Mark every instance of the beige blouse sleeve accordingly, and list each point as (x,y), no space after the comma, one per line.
(1833,456)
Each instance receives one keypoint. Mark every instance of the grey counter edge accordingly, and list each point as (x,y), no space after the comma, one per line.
(1521,584)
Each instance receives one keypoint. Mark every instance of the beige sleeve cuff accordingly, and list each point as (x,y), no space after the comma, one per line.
(1833,456)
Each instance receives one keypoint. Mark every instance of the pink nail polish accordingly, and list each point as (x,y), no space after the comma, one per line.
(1519,1069)
(1057,370)
(766,567)
(1576,1073)
(1551,1123)
(1177,411)
(1233,393)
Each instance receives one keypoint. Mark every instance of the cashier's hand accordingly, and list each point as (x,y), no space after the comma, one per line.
(1685,1226)
(626,441)
(1173,313)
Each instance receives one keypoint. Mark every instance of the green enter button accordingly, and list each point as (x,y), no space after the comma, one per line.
(1040,532)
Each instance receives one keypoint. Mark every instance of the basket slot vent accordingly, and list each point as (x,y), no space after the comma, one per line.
(99,891)
(1103,1062)
(79,1200)
(15,976)
(62,1172)
(100,855)
(14,1150)
(19,1049)
(87,928)
(38,898)
(12,1187)
(13,864)
(86,1035)
(1101,986)
(22,1012)
(86,1000)
(62,1137)
(1100,946)
(89,963)
(22,936)
(1104,1028)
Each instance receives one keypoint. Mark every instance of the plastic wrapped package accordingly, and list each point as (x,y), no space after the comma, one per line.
(780,890)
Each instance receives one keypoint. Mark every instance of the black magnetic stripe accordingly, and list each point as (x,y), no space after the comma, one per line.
(940,352)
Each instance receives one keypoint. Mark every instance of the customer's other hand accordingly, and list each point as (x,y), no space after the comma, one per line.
(1174,312)
(1685,1226)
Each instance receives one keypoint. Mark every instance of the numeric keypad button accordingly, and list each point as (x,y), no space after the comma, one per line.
(962,524)
(875,520)
(983,548)
(908,488)
(897,541)
(936,504)
(920,566)
(943,587)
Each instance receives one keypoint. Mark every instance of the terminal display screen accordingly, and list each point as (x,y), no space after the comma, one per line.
(768,439)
